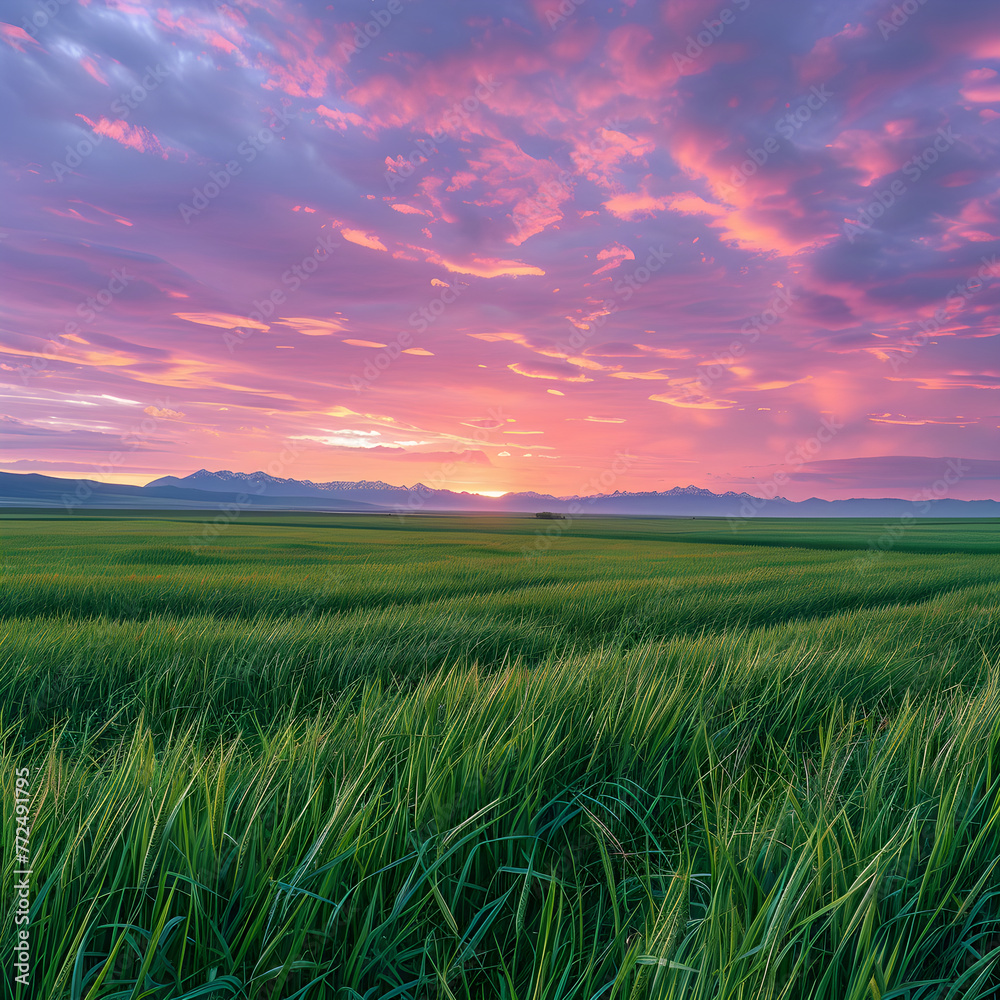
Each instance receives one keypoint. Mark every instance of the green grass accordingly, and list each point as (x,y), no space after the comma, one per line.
(329,756)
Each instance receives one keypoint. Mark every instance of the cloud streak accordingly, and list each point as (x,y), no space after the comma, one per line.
(486,189)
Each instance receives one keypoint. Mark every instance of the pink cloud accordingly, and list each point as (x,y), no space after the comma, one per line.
(581,146)
(551,372)
(363,239)
(226,321)
(16,37)
(486,267)
(614,254)
(635,205)
(341,119)
(410,209)
(90,67)
(135,137)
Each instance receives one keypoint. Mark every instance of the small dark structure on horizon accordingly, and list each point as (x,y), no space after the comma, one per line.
(548,515)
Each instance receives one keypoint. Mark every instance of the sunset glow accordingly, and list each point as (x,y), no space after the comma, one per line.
(503,248)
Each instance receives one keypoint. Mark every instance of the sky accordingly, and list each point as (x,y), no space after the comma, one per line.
(554,245)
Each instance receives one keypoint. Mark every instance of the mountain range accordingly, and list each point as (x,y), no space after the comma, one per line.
(205,490)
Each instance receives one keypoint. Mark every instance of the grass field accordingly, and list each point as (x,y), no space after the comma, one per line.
(322,756)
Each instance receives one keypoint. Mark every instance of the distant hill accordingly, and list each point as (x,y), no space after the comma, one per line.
(215,490)
(681,501)
(32,490)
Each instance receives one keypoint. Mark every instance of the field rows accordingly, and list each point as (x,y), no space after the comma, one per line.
(624,768)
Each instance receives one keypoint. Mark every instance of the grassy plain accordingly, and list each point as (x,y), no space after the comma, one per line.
(328,756)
